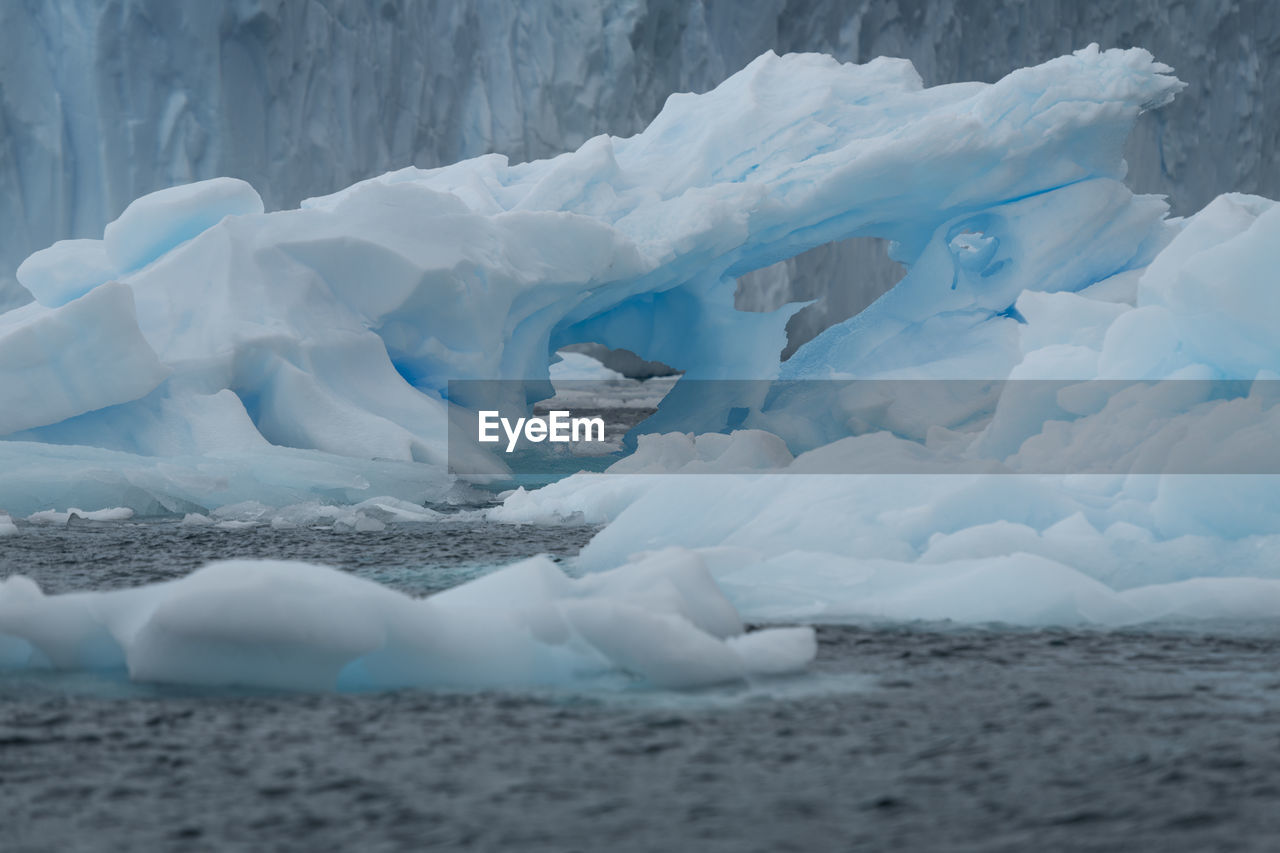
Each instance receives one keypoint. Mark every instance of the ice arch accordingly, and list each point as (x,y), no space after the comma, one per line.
(650,232)
(335,327)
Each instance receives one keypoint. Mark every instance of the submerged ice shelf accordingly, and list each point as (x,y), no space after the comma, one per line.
(302,358)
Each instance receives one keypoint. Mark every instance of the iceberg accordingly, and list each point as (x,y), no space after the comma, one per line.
(304,357)
(335,328)
(1081,282)
(902,541)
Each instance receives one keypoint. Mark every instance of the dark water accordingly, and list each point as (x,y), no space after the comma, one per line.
(925,737)
(415,558)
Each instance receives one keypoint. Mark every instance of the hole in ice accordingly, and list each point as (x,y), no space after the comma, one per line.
(622,361)
(592,376)
(844,276)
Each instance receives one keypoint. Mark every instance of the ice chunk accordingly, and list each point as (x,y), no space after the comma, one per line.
(370,515)
(1020,549)
(159,221)
(86,355)
(395,511)
(359,523)
(1065,319)
(336,328)
(118,513)
(65,271)
(306,627)
(301,360)
(1218,281)
(1209,598)
(1018,588)
(742,451)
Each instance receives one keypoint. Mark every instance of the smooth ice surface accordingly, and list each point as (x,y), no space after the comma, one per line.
(65,271)
(156,223)
(660,622)
(85,356)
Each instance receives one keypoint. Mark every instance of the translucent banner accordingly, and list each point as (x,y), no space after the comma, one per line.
(1118,427)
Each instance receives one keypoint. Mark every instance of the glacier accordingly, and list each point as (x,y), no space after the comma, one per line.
(205,354)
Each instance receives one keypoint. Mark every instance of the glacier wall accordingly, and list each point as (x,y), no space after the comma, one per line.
(101,102)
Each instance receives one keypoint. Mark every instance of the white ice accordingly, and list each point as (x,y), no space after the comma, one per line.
(577,366)
(661,622)
(335,328)
(49,516)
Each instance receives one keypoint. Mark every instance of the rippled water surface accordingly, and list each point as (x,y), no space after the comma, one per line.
(415,558)
(922,737)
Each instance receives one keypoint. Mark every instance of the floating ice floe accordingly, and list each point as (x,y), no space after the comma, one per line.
(119,513)
(370,515)
(659,622)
